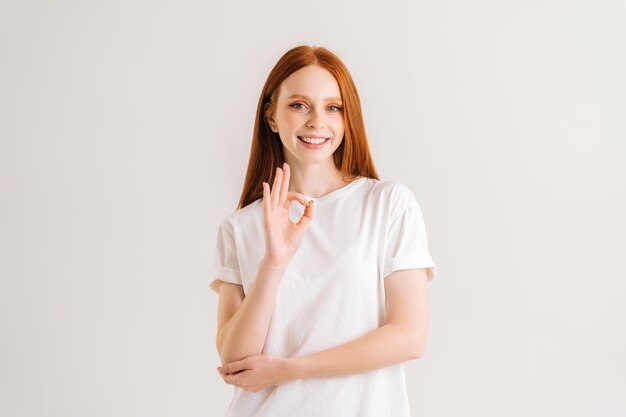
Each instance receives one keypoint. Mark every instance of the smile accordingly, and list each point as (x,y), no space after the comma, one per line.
(313,141)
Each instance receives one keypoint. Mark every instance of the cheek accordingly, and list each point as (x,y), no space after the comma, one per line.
(338,125)
(290,118)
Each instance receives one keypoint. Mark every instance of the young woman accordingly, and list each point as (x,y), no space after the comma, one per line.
(322,277)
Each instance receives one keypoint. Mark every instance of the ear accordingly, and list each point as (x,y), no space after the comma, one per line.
(269,116)
(272,125)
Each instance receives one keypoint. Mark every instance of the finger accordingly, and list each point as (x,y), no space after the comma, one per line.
(276,187)
(222,374)
(233,379)
(234,367)
(237,366)
(285,185)
(295,196)
(267,205)
(307,216)
(230,368)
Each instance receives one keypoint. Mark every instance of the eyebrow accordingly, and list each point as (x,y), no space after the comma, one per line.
(303,96)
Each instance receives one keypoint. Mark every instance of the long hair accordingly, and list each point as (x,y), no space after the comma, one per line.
(352,157)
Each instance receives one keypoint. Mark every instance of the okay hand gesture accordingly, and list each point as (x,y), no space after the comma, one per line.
(282,235)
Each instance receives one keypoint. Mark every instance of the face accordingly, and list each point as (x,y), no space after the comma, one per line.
(308,108)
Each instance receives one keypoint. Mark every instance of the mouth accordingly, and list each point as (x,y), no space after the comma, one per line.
(314,141)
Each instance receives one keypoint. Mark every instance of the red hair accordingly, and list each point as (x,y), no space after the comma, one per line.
(352,157)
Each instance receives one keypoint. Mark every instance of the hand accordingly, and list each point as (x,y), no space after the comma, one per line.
(283,236)
(256,373)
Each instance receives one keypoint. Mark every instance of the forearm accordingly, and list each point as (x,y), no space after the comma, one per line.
(385,346)
(246,331)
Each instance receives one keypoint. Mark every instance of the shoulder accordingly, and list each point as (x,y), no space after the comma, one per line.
(397,194)
(243,216)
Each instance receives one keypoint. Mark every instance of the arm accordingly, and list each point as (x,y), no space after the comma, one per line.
(245,332)
(402,338)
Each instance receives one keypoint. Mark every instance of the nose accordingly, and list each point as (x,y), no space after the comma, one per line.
(314,120)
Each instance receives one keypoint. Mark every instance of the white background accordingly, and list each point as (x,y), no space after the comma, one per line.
(125,131)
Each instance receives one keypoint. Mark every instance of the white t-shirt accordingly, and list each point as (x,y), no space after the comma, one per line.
(331,292)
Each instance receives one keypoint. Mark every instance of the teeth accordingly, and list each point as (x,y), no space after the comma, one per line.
(315,141)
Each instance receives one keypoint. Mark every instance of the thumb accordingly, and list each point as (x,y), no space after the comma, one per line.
(307,216)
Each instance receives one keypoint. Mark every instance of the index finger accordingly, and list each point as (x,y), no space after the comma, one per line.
(285,185)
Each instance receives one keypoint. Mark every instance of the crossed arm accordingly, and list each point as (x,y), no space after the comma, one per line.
(401,338)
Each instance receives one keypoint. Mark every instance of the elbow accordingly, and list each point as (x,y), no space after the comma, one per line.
(417,340)
(223,358)
(416,347)
(228,357)
(232,353)
(225,354)
(413,340)
(417,352)
(219,343)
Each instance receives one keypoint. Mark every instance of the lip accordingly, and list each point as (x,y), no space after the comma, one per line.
(314,146)
(313,136)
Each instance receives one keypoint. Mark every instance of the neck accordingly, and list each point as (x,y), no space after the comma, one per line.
(315,180)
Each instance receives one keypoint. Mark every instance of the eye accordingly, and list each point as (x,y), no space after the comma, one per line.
(337,107)
(296,104)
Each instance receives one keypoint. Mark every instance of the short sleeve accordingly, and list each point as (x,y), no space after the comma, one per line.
(226,263)
(406,243)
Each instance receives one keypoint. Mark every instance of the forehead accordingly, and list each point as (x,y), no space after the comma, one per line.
(311,81)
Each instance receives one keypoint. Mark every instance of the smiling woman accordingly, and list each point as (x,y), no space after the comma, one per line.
(313,120)
(316,316)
